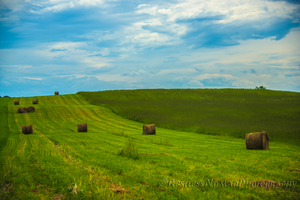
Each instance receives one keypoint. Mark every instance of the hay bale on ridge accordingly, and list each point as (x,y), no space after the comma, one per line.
(56,93)
(35,102)
(258,140)
(16,102)
(82,127)
(22,110)
(27,129)
(30,109)
(149,129)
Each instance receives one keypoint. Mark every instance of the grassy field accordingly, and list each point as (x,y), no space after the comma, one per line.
(227,112)
(113,160)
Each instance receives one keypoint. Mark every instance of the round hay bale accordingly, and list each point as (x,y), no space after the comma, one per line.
(30,109)
(35,102)
(22,110)
(258,140)
(27,129)
(16,102)
(56,93)
(82,127)
(149,129)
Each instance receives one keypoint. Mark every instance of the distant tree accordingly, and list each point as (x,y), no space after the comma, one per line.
(6,96)
(260,87)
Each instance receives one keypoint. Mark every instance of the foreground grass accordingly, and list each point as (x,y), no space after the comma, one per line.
(227,112)
(114,160)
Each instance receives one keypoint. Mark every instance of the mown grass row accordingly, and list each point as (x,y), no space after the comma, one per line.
(114,160)
(227,112)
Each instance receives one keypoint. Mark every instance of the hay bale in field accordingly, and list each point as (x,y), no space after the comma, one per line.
(16,102)
(258,140)
(22,110)
(82,127)
(149,129)
(30,109)
(27,129)
(35,102)
(56,93)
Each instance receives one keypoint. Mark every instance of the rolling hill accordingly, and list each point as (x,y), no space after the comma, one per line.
(114,160)
(227,112)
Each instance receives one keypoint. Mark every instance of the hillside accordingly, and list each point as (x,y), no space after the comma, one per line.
(227,112)
(113,160)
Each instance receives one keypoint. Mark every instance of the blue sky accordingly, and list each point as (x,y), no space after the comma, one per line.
(92,45)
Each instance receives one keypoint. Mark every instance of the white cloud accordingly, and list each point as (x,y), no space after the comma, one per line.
(159,23)
(59,5)
(195,83)
(176,71)
(67,45)
(141,72)
(136,35)
(75,52)
(285,67)
(114,77)
(165,29)
(212,76)
(241,82)
(142,5)
(11,65)
(94,62)
(36,4)
(164,17)
(14,5)
(31,78)
(257,35)
(72,76)
(293,84)
(24,67)
(231,10)
(6,83)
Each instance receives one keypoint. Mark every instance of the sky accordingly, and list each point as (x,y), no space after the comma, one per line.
(93,45)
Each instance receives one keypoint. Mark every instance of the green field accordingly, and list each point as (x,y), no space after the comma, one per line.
(227,112)
(113,160)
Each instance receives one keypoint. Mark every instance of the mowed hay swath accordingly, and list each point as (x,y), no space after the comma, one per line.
(22,110)
(27,129)
(82,127)
(16,102)
(258,140)
(35,102)
(56,93)
(30,109)
(149,129)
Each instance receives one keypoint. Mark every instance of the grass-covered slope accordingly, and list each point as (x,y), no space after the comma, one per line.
(231,112)
(113,160)
(3,122)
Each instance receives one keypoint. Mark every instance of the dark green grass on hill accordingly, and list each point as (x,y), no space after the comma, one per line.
(228,112)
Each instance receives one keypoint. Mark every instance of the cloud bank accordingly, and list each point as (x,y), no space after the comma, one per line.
(90,45)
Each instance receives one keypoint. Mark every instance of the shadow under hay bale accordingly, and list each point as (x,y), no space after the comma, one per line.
(35,102)
(258,140)
(149,129)
(56,93)
(30,109)
(82,127)
(27,129)
(16,102)
(22,110)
